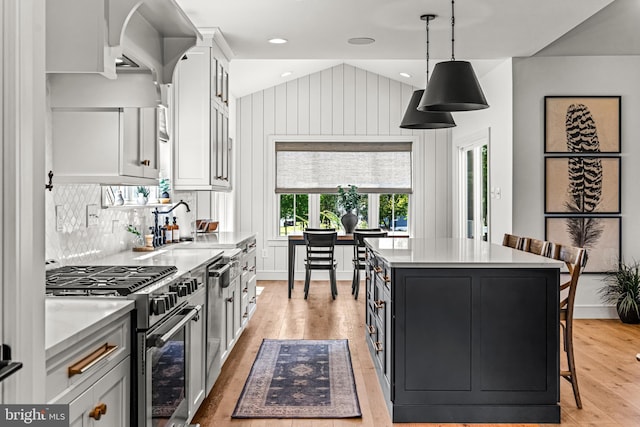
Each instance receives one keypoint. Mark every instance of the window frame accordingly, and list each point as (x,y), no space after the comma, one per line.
(273,212)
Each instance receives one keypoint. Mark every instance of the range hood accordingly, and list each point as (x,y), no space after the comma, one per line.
(89,36)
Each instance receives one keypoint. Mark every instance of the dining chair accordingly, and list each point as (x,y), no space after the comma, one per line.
(319,229)
(512,241)
(575,259)
(535,246)
(359,254)
(320,247)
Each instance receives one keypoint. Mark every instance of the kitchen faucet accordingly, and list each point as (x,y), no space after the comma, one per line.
(157,236)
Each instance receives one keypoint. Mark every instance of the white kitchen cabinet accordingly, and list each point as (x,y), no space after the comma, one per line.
(105,403)
(248,280)
(202,148)
(105,145)
(93,376)
(232,317)
(197,356)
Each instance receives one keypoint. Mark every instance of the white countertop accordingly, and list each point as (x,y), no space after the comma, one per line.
(222,240)
(456,253)
(69,320)
(174,254)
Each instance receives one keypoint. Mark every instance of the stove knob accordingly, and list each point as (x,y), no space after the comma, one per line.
(168,302)
(182,290)
(194,284)
(173,288)
(158,306)
(174,298)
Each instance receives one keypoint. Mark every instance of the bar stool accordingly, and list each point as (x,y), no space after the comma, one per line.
(359,252)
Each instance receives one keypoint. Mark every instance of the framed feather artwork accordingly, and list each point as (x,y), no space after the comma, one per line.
(582,124)
(599,235)
(582,185)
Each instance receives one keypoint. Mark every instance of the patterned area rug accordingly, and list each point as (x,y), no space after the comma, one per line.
(300,379)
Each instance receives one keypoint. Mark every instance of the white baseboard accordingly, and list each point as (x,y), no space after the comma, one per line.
(595,312)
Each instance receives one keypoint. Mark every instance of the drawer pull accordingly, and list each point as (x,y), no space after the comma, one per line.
(379,304)
(245,290)
(377,269)
(230,299)
(98,411)
(146,163)
(371,329)
(83,365)
(378,346)
(386,279)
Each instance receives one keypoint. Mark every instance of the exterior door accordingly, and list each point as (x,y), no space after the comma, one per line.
(473,187)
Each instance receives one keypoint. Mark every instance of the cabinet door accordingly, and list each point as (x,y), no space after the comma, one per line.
(197,343)
(140,142)
(192,127)
(111,392)
(149,142)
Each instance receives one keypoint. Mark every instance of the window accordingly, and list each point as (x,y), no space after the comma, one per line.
(294,213)
(393,212)
(309,172)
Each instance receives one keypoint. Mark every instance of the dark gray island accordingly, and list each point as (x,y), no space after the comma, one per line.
(463,331)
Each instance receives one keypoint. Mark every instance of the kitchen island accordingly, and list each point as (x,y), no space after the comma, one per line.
(463,331)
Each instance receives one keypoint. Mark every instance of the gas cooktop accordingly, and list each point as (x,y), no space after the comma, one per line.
(104,279)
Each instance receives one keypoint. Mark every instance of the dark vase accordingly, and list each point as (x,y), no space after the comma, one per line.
(165,195)
(630,317)
(349,222)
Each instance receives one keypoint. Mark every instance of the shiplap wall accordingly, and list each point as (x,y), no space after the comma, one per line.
(339,101)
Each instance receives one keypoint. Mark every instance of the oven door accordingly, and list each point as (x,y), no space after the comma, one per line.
(167,371)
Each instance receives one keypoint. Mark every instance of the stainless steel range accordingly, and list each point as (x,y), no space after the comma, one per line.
(169,325)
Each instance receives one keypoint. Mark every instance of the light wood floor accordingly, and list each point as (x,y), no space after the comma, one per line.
(608,373)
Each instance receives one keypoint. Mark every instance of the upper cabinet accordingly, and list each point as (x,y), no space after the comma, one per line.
(101,36)
(202,146)
(105,145)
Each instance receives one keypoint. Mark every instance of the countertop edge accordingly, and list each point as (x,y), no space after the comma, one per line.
(126,306)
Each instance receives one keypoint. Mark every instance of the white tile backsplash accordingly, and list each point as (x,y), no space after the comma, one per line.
(77,243)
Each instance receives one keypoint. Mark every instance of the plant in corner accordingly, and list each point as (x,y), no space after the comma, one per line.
(348,201)
(163,186)
(622,288)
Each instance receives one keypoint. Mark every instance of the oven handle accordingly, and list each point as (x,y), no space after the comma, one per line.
(189,315)
(220,272)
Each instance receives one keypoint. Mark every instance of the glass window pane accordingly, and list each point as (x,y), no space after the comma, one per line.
(394,213)
(470,186)
(294,213)
(330,214)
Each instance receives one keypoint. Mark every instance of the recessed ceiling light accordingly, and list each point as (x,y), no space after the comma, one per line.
(361,40)
(286,74)
(405,75)
(278,40)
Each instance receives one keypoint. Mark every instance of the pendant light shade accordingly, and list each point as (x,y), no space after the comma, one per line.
(454,85)
(414,119)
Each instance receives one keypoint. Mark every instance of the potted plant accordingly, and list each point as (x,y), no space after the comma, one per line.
(622,288)
(164,190)
(143,195)
(348,201)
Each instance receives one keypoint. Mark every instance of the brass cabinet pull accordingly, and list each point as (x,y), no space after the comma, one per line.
(386,279)
(98,411)
(379,304)
(377,269)
(378,346)
(372,329)
(95,357)
(245,290)
(146,163)
(230,299)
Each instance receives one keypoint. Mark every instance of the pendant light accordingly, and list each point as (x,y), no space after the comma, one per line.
(454,85)
(414,119)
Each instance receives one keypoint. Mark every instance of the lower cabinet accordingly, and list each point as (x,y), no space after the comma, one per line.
(106,402)
(93,376)
(197,360)
(232,316)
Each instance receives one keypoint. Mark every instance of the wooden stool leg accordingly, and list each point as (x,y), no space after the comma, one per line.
(572,364)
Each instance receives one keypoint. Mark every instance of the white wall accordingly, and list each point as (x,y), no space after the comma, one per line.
(496,85)
(533,78)
(342,100)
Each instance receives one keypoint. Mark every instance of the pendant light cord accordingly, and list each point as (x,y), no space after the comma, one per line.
(427,50)
(453,24)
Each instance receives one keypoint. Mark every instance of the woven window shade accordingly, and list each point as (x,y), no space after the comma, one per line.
(320,167)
